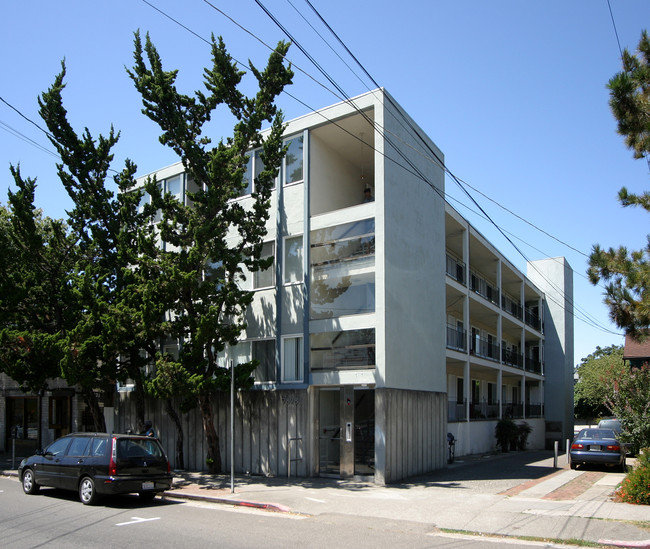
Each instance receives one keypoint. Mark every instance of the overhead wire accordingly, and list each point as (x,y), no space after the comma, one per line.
(347,99)
(460,184)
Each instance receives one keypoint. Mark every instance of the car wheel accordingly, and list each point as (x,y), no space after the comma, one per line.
(147,496)
(29,484)
(573,465)
(623,467)
(87,493)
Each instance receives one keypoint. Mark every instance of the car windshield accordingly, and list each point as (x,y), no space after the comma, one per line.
(596,434)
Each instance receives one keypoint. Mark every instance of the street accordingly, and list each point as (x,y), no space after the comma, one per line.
(57,519)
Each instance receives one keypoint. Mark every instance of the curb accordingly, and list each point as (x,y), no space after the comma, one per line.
(275,507)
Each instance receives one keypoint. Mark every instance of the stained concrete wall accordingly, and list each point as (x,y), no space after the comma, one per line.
(410,433)
(264,423)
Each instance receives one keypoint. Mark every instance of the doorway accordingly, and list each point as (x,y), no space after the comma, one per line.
(346,431)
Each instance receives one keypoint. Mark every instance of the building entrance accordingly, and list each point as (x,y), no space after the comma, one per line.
(346,431)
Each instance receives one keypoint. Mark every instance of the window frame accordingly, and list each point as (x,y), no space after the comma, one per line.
(285,172)
(300,354)
(272,358)
(271,268)
(285,247)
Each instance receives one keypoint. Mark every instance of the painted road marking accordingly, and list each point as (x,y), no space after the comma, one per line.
(136,520)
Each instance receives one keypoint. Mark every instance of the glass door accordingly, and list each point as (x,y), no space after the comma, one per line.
(329,432)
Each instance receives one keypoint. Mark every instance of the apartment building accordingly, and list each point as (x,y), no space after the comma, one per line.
(386,321)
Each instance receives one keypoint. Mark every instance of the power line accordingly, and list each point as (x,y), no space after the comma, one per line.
(347,99)
(620,51)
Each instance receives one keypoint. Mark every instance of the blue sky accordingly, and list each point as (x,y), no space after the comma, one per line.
(513,92)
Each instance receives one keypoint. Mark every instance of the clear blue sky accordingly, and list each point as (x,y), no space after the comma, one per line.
(513,92)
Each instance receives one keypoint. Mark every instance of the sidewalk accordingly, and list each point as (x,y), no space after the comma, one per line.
(518,494)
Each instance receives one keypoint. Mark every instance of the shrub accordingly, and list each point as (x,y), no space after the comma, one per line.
(636,486)
(506,432)
(523,430)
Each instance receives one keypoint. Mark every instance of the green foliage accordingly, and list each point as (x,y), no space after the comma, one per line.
(630,403)
(523,430)
(207,313)
(627,273)
(596,375)
(507,434)
(636,486)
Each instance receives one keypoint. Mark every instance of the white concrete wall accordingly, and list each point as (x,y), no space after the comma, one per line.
(554,277)
(410,260)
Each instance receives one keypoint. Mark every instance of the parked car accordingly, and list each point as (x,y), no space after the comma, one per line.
(615,425)
(597,446)
(96,464)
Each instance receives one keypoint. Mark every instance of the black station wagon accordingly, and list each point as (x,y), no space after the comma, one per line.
(95,464)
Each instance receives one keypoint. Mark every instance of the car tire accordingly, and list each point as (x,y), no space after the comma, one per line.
(623,467)
(573,465)
(147,496)
(87,493)
(28,482)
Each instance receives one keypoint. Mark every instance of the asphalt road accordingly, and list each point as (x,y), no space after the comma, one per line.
(57,519)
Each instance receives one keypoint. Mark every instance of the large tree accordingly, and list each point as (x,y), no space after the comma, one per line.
(595,385)
(627,273)
(212,232)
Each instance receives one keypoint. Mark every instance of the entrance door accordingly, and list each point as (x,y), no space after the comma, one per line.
(346,436)
(329,433)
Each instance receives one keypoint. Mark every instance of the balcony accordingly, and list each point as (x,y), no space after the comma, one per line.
(485,348)
(456,411)
(511,306)
(455,269)
(532,319)
(484,288)
(533,365)
(456,338)
(512,358)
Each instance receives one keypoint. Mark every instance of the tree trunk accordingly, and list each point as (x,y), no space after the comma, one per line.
(179,462)
(213,459)
(95,410)
(139,404)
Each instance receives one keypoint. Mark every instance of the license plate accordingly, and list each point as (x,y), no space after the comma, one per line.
(147,485)
(596,448)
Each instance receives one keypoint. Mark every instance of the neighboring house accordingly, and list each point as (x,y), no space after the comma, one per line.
(384,323)
(636,353)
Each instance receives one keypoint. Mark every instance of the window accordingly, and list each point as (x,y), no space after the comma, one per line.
(252,170)
(174,186)
(343,270)
(265,278)
(78,446)
(460,390)
(293,172)
(292,263)
(292,359)
(57,448)
(264,352)
(343,350)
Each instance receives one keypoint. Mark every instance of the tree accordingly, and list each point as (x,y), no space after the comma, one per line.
(630,403)
(595,385)
(213,230)
(627,274)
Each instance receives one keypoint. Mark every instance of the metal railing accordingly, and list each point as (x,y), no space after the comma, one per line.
(456,269)
(456,338)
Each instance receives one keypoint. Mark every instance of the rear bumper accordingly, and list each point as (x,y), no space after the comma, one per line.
(596,457)
(128,485)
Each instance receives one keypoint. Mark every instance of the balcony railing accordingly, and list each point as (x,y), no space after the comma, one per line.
(534,409)
(456,338)
(513,410)
(511,358)
(511,306)
(532,319)
(533,365)
(456,269)
(483,410)
(485,348)
(483,288)
(456,410)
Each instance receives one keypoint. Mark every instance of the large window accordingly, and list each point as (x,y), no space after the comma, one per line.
(264,352)
(292,359)
(343,270)
(352,349)
(251,171)
(293,161)
(265,278)
(292,264)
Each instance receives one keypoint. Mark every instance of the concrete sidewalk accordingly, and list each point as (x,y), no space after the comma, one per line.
(519,494)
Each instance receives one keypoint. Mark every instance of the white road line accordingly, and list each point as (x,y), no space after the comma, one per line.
(136,520)
(317,500)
